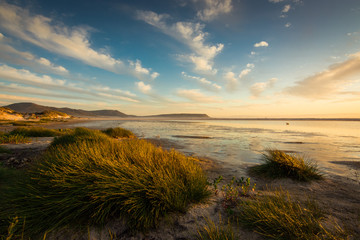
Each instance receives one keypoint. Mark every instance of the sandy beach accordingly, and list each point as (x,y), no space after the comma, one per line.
(340,197)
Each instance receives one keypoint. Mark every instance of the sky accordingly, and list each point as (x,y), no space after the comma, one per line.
(225,58)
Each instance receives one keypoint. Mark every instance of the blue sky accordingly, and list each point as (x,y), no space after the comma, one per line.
(226,58)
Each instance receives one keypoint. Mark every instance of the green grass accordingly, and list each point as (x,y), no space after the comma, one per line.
(213,231)
(38,132)
(118,133)
(278,164)
(279,217)
(88,178)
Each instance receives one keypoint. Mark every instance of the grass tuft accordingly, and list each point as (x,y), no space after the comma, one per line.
(278,164)
(13,138)
(87,177)
(279,217)
(118,133)
(213,231)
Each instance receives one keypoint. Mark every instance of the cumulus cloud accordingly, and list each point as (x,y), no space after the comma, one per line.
(287,25)
(190,34)
(196,96)
(261,44)
(208,85)
(286,8)
(214,8)
(144,88)
(257,88)
(329,82)
(57,38)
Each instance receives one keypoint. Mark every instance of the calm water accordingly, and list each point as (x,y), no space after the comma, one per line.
(240,143)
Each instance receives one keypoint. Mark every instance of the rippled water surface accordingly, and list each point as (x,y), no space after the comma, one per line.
(238,143)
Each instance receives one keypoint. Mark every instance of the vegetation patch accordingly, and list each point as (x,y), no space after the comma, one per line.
(278,164)
(39,132)
(87,178)
(216,231)
(277,216)
(119,133)
(13,138)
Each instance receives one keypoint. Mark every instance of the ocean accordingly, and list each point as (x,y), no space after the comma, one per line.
(333,145)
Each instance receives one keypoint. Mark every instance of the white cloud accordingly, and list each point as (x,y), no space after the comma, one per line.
(286,8)
(275,1)
(57,38)
(24,76)
(258,88)
(329,82)
(252,53)
(244,72)
(190,34)
(144,88)
(208,85)
(154,75)
(288,25)
(250,65)
(261,44)
(231,82)
(196,96)
(213,8)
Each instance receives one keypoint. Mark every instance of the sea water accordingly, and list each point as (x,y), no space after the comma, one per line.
(333,145)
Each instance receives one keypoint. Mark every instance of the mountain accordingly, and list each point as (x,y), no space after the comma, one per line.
(33,108)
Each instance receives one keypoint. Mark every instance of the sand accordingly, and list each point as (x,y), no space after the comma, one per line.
(338,196)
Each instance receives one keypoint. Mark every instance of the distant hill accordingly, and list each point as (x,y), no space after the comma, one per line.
(180,115)
(30,108)
(34,108)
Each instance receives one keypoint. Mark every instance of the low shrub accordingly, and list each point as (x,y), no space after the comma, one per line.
(87,178)
(279,217)
(278,164)
(118,132)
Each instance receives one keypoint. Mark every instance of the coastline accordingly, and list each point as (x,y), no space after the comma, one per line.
(338,195)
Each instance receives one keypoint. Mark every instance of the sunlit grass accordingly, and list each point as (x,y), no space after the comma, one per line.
(88,178)
(278,164)
(216,231)
(118,133)
(277,216)
(13,138)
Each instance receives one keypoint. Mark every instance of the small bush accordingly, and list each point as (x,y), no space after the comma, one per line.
(278,164)
(38,132)
(213,231)
(279,217)
(118,133)
(88,178)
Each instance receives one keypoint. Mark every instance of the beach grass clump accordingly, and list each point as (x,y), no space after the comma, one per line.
(13,138)
(277,216)
(278,164)
(87,178)
(216,231)
(118,132)
(38,132)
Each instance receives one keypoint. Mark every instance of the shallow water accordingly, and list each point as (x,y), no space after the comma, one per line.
(240,143)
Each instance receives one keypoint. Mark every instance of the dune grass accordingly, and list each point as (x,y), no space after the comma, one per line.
(13,138)
(87,178)
(216,231)
(277,216)
(278,164)
(39,132)
(118,133)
